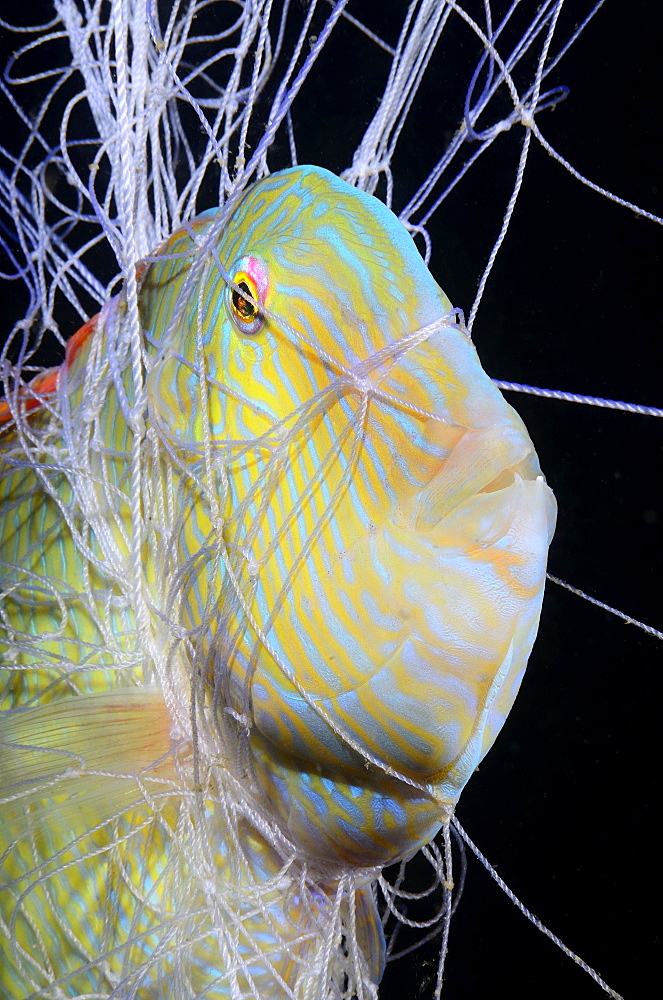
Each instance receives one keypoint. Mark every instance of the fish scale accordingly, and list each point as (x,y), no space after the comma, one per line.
(345,531)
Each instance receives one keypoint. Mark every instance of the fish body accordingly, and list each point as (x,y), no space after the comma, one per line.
(321,624)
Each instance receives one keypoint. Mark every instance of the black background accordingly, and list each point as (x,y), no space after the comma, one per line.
(563,805)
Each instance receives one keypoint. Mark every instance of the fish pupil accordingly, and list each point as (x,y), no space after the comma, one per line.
(245,309)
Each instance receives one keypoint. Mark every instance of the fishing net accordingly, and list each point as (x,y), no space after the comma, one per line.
(130,118)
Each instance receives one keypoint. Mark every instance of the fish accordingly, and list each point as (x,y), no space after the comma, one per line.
(270,585)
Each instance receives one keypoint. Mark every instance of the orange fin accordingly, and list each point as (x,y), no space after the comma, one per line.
(45,383)
(84,759)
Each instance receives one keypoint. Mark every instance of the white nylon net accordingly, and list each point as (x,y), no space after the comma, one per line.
(128,118)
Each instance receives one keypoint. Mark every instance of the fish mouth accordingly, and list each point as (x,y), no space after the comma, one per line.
(483,461)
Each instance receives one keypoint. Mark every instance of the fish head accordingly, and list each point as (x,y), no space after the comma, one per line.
(376,571)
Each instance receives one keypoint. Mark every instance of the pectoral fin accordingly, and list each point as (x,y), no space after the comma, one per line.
(83,759)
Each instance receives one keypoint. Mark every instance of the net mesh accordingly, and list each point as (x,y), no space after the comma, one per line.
(132,118)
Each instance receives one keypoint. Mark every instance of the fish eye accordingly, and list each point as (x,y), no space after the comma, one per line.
(243,299)
(245,310)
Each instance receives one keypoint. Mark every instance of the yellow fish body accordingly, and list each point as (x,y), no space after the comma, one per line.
(264,614)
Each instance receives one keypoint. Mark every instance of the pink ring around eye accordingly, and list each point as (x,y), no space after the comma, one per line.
(248,275)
